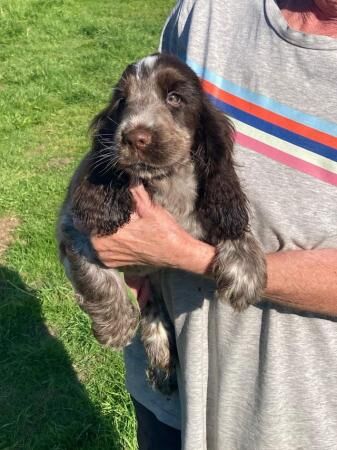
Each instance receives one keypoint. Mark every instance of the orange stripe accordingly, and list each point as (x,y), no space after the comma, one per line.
(270,116)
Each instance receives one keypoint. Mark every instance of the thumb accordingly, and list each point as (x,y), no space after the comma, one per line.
(142,200)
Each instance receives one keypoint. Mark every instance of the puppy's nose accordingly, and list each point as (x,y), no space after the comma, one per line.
(138,138)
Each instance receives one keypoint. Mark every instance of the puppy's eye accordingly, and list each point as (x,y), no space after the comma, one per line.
(173,99)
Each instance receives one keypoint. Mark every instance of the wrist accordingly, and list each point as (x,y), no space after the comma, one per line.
(195,256)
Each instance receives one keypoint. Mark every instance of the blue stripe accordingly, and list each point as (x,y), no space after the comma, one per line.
(260,100)
(282,133)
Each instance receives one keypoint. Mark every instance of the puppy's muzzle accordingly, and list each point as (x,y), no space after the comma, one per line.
(138,138)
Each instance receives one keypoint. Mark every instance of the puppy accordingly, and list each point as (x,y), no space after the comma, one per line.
(159,129)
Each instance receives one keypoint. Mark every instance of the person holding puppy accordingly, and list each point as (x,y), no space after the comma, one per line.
(266,378)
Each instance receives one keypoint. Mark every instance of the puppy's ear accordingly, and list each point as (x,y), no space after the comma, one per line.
(101,199)
(221,205)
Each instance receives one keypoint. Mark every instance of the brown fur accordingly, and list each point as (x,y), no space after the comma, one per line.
(161,130)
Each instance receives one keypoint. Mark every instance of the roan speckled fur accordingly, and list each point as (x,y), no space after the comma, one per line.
(159,129)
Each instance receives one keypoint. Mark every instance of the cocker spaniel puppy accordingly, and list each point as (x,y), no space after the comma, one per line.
(159,129)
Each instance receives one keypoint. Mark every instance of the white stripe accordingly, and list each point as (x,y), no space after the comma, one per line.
(268,103)
(148,62)
(286,147)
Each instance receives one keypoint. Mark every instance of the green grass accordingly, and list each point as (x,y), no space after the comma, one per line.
(58,61)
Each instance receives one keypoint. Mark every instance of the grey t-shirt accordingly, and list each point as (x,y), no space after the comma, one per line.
(264,379)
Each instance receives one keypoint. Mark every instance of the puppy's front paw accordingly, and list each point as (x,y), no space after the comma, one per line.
(238,294)
(240,272)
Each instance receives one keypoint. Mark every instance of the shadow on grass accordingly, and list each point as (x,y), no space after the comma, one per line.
(42,403)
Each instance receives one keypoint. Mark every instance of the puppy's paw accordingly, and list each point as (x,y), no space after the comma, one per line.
(157,336)
(239,294)
(101,293)
(164,381)
(240,272)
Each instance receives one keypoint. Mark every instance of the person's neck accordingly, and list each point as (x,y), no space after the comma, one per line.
(310,17)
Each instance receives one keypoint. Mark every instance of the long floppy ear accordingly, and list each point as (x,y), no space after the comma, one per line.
(222,205)
(101,199)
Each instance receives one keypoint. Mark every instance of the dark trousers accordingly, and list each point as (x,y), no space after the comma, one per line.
(153,434)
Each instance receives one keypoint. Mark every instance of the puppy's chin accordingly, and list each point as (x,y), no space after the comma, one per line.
(145,171)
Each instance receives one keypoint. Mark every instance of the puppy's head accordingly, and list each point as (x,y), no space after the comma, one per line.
(157,120)
(150,124)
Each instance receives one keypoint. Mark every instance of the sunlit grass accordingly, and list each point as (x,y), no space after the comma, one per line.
(58,61)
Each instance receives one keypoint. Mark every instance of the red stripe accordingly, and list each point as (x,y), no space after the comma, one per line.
(269,116)
(285,158)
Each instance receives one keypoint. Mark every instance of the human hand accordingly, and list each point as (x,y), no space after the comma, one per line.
(152,237)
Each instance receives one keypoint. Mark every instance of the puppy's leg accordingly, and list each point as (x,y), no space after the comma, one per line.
(102,295)
(240,271)
(158,338)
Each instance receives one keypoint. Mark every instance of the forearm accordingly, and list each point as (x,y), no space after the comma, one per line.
(301,279)
(194,256)
(304,279)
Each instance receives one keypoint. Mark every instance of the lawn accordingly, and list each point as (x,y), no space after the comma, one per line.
(58,61)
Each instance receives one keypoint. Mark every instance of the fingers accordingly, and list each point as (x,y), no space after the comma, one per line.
(138,191)
(142,199)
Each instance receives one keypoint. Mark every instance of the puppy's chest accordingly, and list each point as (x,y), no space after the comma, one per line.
(178,195)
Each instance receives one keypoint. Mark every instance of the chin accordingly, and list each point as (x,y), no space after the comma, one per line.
(142,170)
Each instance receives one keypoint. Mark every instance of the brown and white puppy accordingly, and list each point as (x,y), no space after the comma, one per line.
(158,129)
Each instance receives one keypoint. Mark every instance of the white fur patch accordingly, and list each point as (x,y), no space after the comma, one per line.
(148,62)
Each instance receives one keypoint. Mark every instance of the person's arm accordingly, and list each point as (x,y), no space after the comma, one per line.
(302,279)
